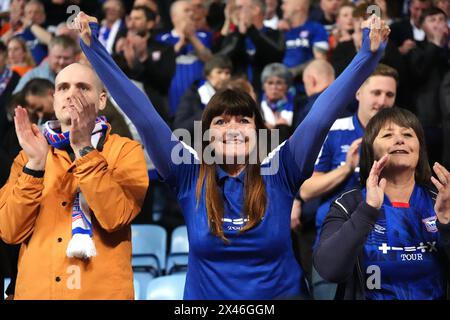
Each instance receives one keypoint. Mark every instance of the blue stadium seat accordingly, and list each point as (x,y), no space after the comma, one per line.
(6,284)
(177,260)
(141,281)
(149,248)
(167,287)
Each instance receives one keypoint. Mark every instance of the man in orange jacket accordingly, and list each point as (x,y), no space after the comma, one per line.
(71,204)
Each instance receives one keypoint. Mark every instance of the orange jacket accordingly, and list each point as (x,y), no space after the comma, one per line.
(21,70)
(37,213)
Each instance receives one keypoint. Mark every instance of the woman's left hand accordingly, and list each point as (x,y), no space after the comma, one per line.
(81,24)
(442,183)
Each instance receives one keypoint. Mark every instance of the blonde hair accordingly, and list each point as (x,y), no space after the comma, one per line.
(28,58)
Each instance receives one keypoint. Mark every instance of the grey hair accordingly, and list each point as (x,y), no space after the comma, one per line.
(276,70)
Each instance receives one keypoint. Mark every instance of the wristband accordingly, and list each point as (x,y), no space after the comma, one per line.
(34,173)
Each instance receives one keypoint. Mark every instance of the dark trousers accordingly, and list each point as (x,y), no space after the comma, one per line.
(302,242)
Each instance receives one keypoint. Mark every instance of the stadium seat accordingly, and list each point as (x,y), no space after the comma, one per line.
(167,287)
(177,260)
(141,281)
(6,284)
(149,248)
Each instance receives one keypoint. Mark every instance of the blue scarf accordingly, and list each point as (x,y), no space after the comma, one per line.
(81,245)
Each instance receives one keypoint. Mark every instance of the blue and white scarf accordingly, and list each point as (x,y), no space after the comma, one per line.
(5,77)
(81,245)
(283,108)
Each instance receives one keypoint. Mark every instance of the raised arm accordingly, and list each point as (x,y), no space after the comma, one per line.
(154,132)
(308,138)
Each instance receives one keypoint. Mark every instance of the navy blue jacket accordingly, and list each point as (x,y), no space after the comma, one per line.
(338,257)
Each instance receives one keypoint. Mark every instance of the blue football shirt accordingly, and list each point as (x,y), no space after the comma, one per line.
(300,42)
(333,154)
(403,247)
(188,66)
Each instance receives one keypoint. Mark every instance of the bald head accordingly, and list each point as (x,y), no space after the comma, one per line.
(81,72)
(318,75)
(177,6)
(295,11)
(75,84)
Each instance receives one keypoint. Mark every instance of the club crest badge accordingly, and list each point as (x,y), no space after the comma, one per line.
(430,224)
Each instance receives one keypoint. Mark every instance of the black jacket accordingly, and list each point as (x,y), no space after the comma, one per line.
(346,50)
(189,109)
(445,109)
(428,64)
(401,31)
(4,100)
(269,47)
(155,73)
(339,254)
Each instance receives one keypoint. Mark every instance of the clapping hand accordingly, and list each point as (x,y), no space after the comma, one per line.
(82,118)
(374,186)
(31,140)
(352,157)
(442,205)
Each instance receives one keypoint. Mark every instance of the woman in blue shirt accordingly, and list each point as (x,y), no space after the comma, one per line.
(237,213)
(392,239)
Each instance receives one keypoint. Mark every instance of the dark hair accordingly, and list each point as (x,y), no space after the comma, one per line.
(3,48)
(233,103)
(217,61)
(150,15)
(346,4)
(360,11)
(15,100)
(422,1)
(432,11)
(38,87)
(403,118)
(385,71)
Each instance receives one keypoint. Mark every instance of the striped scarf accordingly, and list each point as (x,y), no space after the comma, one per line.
(81,245)
(5,77)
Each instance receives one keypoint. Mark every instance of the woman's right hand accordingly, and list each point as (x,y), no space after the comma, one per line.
(374,186)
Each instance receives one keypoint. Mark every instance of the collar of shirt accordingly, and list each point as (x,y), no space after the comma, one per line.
(358,127)
(418,34)
(415,199)
(222,175)
(44,71)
